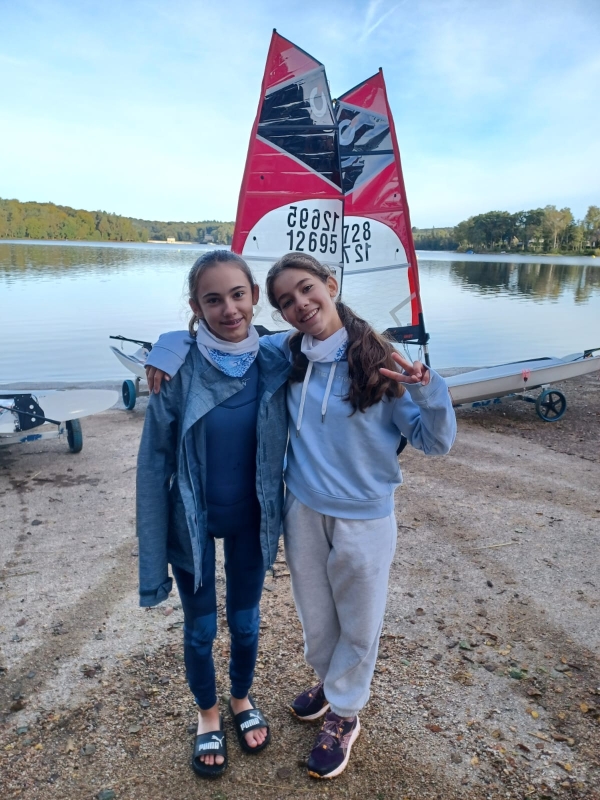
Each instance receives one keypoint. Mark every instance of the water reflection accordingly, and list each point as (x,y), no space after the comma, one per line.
(48,261)
(539,282)
(536,281)
(60,302)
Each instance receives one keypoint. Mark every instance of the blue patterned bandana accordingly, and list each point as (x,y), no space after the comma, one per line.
(232,358)
(234,366)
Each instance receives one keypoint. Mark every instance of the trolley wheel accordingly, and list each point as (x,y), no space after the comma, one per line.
(551,405)
(74,435)
(129,395)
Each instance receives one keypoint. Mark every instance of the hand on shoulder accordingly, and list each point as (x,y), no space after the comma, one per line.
(155,377)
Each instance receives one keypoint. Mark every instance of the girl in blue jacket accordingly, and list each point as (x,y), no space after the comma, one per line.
(348,405)
(210,466)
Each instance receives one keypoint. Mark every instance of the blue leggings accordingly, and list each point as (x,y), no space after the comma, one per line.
(245,572)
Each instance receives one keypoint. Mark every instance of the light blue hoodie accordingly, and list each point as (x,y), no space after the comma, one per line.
(340,463)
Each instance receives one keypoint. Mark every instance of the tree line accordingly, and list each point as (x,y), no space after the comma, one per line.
(206,231)
(539,230)
(49,221)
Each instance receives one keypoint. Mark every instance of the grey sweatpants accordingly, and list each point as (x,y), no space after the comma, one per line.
(339,570)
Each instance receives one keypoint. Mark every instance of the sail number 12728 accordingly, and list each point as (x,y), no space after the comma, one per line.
(312,230)
(356,244)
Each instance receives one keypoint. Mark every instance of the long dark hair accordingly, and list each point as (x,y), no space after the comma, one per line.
(367,350)
(206,261)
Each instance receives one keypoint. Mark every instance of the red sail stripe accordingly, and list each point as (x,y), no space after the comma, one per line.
(285,61)
(272,179)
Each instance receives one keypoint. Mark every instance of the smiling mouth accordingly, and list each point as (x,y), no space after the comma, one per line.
(232,323)
(309,316)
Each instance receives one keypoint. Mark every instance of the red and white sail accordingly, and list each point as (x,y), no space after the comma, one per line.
(377,232)
(291,196)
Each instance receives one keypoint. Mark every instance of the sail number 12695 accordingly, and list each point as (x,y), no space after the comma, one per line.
(313,230)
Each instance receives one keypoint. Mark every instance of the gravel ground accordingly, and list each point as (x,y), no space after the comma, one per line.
(487,683)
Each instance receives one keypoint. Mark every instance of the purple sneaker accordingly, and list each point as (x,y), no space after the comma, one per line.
(331,752)
(311,704)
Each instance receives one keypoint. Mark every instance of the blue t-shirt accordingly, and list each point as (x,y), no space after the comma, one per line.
(230,430)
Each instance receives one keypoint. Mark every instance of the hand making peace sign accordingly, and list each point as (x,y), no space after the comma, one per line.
(412,373)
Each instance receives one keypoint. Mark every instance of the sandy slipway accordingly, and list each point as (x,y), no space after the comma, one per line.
(488,679)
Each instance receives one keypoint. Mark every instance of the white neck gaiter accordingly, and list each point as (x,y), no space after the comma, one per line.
(324,350)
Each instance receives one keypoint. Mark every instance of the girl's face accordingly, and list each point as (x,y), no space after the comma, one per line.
(225,300)
(307,303)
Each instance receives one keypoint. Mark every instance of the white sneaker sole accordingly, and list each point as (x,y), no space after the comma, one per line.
(344,763)
(312,717)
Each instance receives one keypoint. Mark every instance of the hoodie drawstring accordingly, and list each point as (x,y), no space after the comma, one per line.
(328,390)
(305,389)
(303,397)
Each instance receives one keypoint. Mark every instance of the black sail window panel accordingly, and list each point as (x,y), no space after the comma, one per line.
(298,119)
(286,106)
(357,170)
(365,145)
(316,149)
(362,132)
(304,100)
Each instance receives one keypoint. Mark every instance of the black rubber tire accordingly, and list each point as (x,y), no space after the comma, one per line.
(551,405)
(129,395)
(74,436)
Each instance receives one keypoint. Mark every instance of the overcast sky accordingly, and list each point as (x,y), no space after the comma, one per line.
(144,108)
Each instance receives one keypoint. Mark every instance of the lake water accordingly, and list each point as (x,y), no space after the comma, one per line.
(60,302)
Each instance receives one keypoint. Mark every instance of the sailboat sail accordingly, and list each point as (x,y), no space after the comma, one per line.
(291,196)
(377,233)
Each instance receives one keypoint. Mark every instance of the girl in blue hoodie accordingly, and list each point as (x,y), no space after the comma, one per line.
(348,404)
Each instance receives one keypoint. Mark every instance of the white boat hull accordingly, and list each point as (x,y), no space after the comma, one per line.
(505,379)
(134,362)
(61,405)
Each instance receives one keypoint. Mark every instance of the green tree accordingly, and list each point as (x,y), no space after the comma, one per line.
(555,223)
(577,236)
(528,226)
(591,222)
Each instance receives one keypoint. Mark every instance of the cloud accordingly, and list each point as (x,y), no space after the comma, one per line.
(371,22)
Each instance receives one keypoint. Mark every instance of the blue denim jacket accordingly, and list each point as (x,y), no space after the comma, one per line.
(171,473)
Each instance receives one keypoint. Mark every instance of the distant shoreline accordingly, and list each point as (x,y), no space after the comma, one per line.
(442,255)
(491,232)
(104,243)
(162,241)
